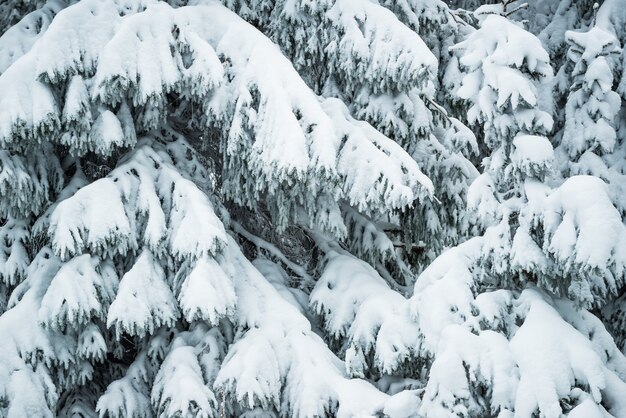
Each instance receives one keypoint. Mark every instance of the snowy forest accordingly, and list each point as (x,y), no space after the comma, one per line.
(312,208)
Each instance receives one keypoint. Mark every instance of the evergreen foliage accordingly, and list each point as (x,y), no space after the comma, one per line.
(258,208)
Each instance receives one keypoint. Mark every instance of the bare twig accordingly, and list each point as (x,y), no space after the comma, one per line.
(274,251)
(518,8)
(416,248)
(223,411)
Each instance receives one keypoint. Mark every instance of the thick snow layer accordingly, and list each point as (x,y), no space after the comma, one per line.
(358,305)
(554,358)
(367,157)
(144,301)
(275,360)
(584,233)
(533,156)
(363,44)
(532,351)
(76,225)
(570,240)
(280,347)
(14,258)
(588,217)
(18,39)
(424,16)
(297,147)
(376,46)
(207,293)
(443,292)
(594,42)
(128,397)
(173,213)
(498,57)
(179,388)
(481,197)
(31,391)
(590,133)
(77,293)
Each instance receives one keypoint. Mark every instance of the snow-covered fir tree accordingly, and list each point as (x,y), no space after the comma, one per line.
(258,208)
